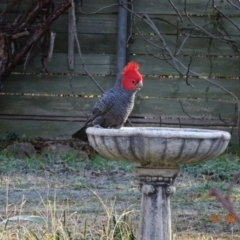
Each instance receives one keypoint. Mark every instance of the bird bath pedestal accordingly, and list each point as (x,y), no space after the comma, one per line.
(156,185)
(157,154)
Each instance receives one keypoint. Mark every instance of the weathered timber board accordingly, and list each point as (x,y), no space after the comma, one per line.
(97,23)
(56,84)
(153,86)
(46,129)
(105,6)
(150,6)
(177,88)
(198,108)
(167,24)
(106,43)
(67,106)
(50,129)
(41,105)
(95,64)
(221,66)
(106,23)
(193,46)
(100,23)
(97,43)
(105,64)
(193,6)
(158,120)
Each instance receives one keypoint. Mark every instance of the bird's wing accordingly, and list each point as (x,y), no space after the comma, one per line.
(106,101)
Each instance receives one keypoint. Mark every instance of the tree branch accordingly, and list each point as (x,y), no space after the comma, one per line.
(37,35)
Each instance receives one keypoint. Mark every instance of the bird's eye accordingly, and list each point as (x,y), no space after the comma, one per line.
(133,81)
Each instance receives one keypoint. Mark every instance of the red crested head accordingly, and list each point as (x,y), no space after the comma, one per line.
(131,78)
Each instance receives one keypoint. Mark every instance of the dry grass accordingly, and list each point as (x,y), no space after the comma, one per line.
(48,220)
(99,200)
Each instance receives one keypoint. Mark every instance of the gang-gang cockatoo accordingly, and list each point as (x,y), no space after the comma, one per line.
(116,104)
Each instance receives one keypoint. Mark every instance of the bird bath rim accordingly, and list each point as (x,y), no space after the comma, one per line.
(163,132)
(156,147)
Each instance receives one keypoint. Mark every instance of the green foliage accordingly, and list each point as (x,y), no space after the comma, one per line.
(70,158)
(222,168)
(122,228)
(82,182)
(234,151)
(102,164)
(11,137)
(67,163)
(8,138)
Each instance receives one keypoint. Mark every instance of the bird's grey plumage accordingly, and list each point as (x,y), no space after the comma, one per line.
(115,105)
(110,111)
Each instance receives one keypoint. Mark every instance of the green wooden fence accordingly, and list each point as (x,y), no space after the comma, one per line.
(36,104)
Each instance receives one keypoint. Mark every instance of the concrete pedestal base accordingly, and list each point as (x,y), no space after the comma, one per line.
(156,186)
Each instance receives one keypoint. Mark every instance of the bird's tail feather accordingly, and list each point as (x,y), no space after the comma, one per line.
(81,134)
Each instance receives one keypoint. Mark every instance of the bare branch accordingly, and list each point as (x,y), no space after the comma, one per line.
(97,11)
(10,6)
(74,29)
(27,57)
(151,23)
(33,11)
(185,111)
(20,35)
(176,10)
(183,43)
(225,200)
(36,36)
(51,47)
(194,24)
(146,40)
(180,63)
(187,74)
(225,16)
(231,3)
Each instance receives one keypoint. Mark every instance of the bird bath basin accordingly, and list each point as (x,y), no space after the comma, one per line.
(157,153)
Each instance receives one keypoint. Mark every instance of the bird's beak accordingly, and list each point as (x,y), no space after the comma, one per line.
(139,85)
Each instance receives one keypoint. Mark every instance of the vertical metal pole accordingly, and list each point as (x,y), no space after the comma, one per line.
(71,12)
(121,38)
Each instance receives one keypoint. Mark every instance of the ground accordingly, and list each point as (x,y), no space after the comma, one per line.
(89,195)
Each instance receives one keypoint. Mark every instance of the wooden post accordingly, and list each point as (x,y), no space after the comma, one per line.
(121,38)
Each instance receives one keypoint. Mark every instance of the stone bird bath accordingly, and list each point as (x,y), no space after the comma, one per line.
(157,153)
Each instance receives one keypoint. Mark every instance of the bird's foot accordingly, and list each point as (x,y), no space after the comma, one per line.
(118,126)
(97,126)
